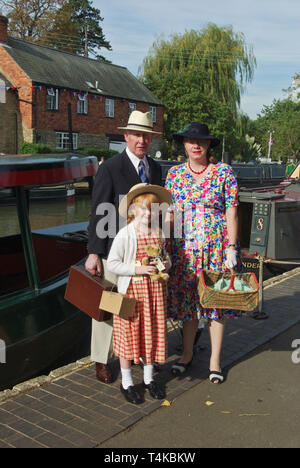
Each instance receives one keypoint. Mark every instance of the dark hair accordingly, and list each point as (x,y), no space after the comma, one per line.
(210,157)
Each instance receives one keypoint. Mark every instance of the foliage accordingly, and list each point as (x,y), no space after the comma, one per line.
(76,29)
(72,26)
(98,152)
(200,75)
(282,118)
(294,89)
(34,148)
(251,150)
(29,19)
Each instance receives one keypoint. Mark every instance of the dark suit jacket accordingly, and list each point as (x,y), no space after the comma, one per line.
(114,178)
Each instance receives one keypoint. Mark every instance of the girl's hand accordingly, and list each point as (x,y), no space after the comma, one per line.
(145,270)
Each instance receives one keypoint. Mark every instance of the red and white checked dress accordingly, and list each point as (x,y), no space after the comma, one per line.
(145,334)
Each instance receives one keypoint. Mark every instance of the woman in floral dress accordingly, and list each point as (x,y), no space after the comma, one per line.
(205,197)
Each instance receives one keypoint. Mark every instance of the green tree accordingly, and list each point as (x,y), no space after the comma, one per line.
(72,26)
(29,19)
(282,118)
(77,29)
(200,75)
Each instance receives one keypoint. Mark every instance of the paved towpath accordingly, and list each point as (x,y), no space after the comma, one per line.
(72,409)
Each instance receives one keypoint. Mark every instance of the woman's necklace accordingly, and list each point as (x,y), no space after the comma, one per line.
(196,172)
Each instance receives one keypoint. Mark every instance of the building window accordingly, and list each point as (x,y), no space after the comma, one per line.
(82,103)
(109,108)
(62,140)
(132,107)
(52,99)
(153,113)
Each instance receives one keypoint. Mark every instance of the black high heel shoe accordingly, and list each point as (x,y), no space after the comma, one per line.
(216,377)
(180,368)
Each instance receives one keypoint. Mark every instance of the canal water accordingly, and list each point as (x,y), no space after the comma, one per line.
(46,214)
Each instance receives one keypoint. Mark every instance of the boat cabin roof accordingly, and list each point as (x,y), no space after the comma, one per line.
(45,169)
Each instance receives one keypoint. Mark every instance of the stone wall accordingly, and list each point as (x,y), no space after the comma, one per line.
(11,134)
(85,140)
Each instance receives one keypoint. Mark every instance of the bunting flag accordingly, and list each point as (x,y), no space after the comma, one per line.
(44,88)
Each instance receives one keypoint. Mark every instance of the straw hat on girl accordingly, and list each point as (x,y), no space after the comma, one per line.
(162,194)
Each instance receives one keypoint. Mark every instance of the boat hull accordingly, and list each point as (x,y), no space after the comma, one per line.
(40,334)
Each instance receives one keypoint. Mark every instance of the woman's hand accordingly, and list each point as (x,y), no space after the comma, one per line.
(231,258)
(145,270)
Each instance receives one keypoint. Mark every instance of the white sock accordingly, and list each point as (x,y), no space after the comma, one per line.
(126,378)
(148,373)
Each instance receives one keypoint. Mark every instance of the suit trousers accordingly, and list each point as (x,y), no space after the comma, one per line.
(102,332)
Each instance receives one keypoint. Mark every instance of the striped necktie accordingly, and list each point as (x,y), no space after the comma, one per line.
(142,172)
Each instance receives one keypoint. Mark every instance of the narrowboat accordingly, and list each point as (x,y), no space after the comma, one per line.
(39,329)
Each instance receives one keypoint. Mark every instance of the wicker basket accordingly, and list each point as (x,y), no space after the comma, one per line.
(211,298)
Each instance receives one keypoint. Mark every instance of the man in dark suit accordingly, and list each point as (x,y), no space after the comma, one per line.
(114,179)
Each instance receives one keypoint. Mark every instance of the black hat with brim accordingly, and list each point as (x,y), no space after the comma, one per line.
(198,131)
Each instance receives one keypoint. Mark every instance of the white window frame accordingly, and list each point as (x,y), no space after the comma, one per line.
(52,99)
(82,104)
(62,140)
(153,113)
(132,107)
(109,108)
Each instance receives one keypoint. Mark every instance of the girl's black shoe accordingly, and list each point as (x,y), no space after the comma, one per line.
(131,395)
(155,390)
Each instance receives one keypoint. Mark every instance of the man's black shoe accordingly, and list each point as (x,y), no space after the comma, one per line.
(155,390)
(131,395)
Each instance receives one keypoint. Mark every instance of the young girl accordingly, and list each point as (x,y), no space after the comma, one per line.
(144,335)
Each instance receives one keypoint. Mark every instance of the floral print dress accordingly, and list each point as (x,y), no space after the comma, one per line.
(200,236)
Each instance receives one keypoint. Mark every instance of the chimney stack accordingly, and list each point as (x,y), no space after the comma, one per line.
(3,29)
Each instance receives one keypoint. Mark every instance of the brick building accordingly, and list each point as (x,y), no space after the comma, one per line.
(54,94)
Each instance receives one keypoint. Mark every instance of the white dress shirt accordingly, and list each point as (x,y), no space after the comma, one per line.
(135,161)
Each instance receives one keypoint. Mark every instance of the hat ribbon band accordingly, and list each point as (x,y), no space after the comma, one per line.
(138,125)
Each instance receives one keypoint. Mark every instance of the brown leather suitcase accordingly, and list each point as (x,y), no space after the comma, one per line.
(84,291)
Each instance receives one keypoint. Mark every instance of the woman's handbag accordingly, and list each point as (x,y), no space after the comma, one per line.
(230,298)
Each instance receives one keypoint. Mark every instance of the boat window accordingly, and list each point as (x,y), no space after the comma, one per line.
(245,219)
(13,274)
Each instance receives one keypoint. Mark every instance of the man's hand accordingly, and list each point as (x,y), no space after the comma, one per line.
(93,265)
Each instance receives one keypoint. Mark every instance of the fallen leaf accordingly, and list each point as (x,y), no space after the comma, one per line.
(166,403)
(226,412)
(209,403)
(254,414)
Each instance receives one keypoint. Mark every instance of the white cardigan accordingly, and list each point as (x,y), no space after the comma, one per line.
(122,256)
